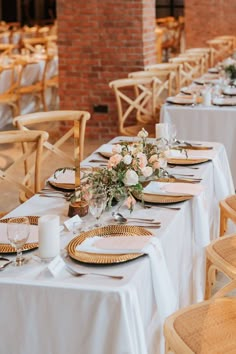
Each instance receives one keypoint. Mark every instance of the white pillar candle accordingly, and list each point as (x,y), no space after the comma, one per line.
(162,131)
(49,236)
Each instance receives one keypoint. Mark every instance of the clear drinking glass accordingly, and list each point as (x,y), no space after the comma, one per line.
(172,134)
(97,204)
(18,230)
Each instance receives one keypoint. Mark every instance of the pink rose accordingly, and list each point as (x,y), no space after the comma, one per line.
(114,160)
(156,165)
(147,171)
(116,149)
(142,160)
(153,158)
(130,202)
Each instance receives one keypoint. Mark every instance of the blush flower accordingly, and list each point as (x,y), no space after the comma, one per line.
(131,178)
(117,149)
(147,171)
(114,160)
(130,202)
(142,160)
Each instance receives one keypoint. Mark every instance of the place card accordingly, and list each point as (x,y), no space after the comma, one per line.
(70,222)
(56,265)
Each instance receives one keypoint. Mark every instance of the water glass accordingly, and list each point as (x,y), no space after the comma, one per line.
(18,230)
(97,204)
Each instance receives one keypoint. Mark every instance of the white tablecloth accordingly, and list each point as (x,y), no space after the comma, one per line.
(205,123)
(96,315)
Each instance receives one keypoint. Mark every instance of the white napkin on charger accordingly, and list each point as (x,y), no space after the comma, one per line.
(163,289)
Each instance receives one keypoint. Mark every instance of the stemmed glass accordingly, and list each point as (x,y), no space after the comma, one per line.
(18,230)
(172,134)
(97,204)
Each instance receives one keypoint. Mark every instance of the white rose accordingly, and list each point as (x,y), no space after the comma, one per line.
(116,149)
(127,159)
(143,134)
(147,171)
(131,178)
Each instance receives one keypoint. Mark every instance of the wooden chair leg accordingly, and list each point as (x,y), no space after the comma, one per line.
(223,223)
(167,347)
(210,278)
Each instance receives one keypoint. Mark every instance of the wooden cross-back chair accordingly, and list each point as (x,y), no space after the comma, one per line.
(191,69)
(135,98)
(220,254)
(51,80)
(227,211)
(197,56)
(6,49)
(75,119)
(222,48)
(27,180)
(8,85)
(162,91)
(31,81)
(204,328)
(32,44)
(208,53)
(163,69)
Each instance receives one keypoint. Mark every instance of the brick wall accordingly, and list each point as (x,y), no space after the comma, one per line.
(206,19)
(100,41)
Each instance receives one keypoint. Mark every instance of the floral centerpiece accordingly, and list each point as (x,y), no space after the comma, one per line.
(129,166)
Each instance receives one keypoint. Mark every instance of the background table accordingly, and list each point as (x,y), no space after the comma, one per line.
(95,315)
(205,123)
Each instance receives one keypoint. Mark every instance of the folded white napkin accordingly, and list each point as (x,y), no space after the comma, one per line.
(163,289)
(63,176)
(106,149)
(191,154)
(33,237)
(174,189)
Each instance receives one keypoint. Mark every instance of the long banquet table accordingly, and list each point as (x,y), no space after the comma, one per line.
(97,315)
(200,122)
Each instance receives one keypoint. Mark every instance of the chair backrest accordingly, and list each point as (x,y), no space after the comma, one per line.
(135,98)
(165,69)
(208,52)
(199,56)
(166,86)
(77,121)
(227,211)
(31,143)
(191,68)
(222,48)
(34,44)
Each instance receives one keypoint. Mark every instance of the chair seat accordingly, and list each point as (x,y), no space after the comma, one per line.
(209,328)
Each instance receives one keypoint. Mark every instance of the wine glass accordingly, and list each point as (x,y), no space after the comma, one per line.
(172,134)
(18,230)
(97,204)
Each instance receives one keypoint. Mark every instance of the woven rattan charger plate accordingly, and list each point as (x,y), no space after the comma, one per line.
(7,248)
(160,198)
(106,231)
(173,161)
